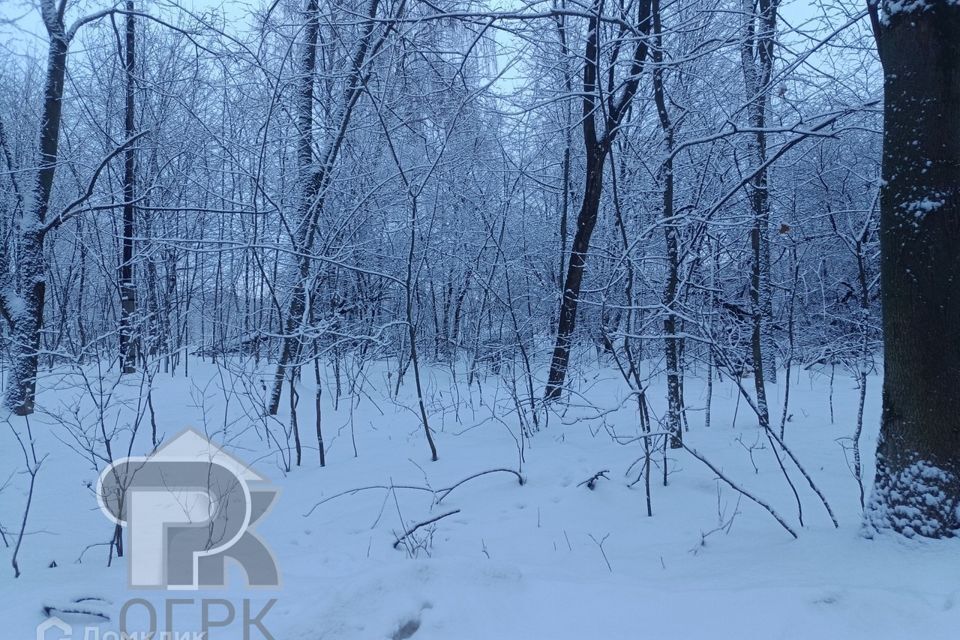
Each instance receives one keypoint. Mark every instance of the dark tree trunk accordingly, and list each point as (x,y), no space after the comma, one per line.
(757,62)
(291,345)
(31,274)
(315,176)
(586,221)
(917,489)
(597,144)
(128,300)
(672,344)
(567,145)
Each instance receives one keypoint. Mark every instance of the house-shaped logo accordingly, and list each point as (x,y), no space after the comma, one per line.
(54,629)
(187,508)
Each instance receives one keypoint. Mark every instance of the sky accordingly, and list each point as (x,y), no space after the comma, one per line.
(22,31)
(21,28)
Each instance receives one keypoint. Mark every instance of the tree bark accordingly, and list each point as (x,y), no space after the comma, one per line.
(25,305)
(672,344)
(757,61)
(291,345)
(128,300)
(917,488)
(586,222)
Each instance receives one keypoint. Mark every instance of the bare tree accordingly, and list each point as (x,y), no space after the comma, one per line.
(128,299)
(756,52)
(23,293)
(604,106)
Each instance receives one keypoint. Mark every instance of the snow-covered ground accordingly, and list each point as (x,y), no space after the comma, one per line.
(549,559)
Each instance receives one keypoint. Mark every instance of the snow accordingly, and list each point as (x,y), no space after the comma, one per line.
(518,561)
(921,208)
(918,490)
(896,7)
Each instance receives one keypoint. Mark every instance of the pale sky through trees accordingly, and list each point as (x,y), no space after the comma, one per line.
(28,34)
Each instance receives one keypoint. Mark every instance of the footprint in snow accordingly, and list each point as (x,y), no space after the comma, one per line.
(828,598)
(411,626)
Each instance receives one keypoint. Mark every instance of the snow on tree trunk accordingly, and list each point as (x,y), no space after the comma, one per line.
(756,54)
(917,489)
(31,277)
(27,317)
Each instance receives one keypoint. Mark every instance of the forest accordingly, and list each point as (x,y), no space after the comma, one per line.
(660,293)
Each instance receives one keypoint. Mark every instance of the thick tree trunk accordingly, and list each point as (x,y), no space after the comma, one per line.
(917,489)
(31,275)
(28,321)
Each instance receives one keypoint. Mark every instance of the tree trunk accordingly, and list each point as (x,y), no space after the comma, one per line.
(567,143)
(291,346)
(586,221)
(597,145)
(31,275)
(128,300)
(757,62)
(917,489)
(28,321)
(315,177)
(672,344)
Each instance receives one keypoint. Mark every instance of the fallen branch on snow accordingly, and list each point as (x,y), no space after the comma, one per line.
(409,531)
(742,492)
(591,482)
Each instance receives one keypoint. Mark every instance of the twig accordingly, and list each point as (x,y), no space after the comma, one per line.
(771,434)
(350,492)
(439,494)
(803,472)
(397,542)
(591,482)
(599,544)
(49,610)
